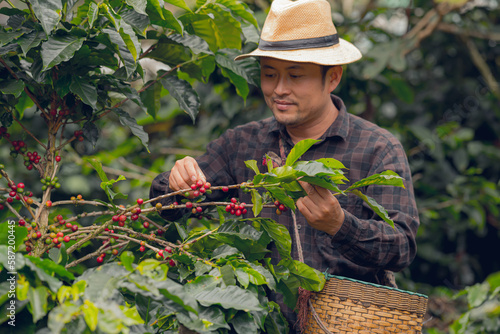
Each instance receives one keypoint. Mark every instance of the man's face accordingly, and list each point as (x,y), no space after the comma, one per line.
(296,93)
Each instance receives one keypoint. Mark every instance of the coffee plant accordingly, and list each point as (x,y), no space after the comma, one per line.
(67,68)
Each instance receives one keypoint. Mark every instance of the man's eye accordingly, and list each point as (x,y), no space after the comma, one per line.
(295,76)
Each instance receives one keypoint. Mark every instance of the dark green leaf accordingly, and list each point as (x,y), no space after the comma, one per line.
(402,90)
(54,284)
(51,267)
(196,44)
(123,51)
(377,208)
(91,132)
(164,18)
(14,87)
(279,234)
(59,255)
(137,21)
(136,129)
(31,40)
(170,52)
(239,83)
(310,278)
(298,150)
(59,49)
(227,273)
(386,178)
(12,229)
(86,91)
(231,297)
(276,323)
(48,13)
(248,69)
(151,98)
(185,95)
(244,323)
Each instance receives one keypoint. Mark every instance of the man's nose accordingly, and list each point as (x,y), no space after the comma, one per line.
(282,86)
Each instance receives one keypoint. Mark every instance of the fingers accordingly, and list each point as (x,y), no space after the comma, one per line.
(185,173)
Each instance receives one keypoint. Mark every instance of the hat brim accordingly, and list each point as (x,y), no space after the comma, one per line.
(339,54)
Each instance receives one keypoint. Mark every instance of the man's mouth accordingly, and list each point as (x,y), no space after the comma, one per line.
(282,104)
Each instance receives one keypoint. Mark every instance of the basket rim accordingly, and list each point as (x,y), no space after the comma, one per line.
(328,276)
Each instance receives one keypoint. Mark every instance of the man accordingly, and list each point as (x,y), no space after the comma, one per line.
(300,56)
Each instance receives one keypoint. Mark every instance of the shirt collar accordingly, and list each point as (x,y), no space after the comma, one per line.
(339,128)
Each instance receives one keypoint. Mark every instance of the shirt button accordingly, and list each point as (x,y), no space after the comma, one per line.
(299,227)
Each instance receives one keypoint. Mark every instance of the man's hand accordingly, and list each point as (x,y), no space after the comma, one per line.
(321,209)
(185,173)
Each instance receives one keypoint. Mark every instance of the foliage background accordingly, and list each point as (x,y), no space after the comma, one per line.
(429,74)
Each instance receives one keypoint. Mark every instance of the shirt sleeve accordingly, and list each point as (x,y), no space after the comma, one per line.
(365,238)
(213,164)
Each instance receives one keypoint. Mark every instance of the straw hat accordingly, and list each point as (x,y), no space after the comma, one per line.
(303,31)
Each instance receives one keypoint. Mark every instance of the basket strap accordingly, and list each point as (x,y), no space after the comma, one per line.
(318,319)
(297,238)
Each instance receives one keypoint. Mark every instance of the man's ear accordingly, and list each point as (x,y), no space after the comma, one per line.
(334,75)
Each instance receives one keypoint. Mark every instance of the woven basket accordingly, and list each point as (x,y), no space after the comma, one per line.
(350,306)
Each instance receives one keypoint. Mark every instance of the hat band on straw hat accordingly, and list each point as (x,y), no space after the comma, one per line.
(305,43)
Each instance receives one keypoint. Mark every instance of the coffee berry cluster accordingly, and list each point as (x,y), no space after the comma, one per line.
(280,207)
(236,208)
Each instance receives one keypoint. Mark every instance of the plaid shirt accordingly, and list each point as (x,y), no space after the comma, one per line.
(365,248)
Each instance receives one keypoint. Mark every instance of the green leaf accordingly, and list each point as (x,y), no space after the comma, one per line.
(280,194)
(477,294)
(170,52)
(402,90)
(24,103)
(31,40)
(90,314)
(324,182)
(257,202)
(48,12)
(279,234)
(331,163)
(239,83)
(275,322)
(244,323)
(124,53)
(310,278)
(248,69)
(98,168)
(51,267)
(93,13)
(195,43)
(54,284)
(59,49)
(86,91)
(298,150)
(14,87)
(138,21)
(179,3)
(216,26)
(59,255)
(164,18)
(185,95)
(386,178)
(231,297)
(138,5)
(252,164)
(240,9)
(151,98)
(377,208)
(38,302)
(127,259)
(227,273)
(136,129)
(60,315)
